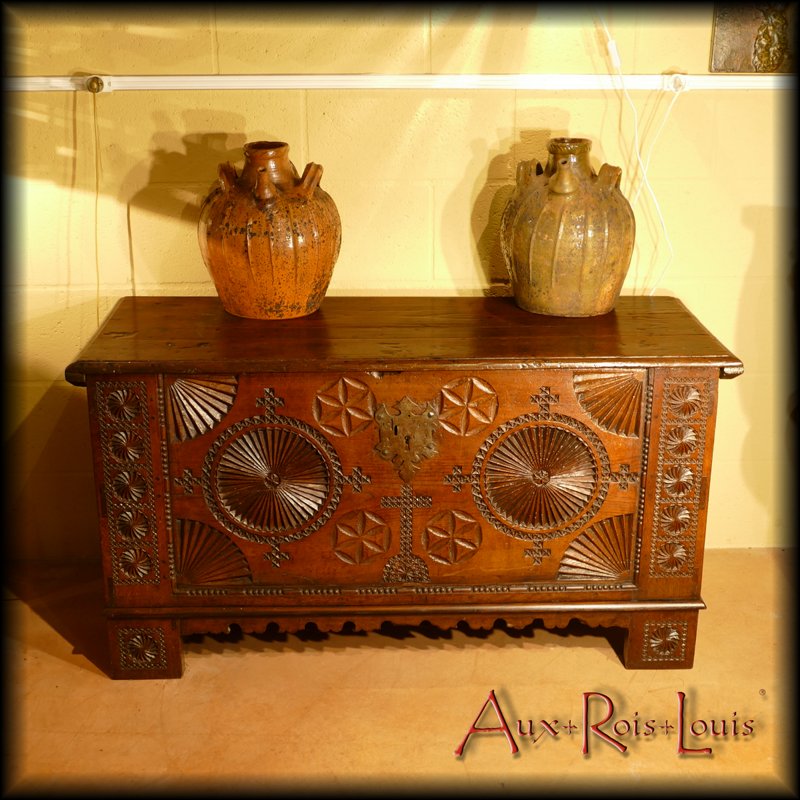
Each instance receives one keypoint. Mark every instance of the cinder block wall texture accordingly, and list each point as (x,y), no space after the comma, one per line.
(104,193)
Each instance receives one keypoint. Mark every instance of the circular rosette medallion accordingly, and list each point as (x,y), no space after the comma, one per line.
(541,475)
(268,479)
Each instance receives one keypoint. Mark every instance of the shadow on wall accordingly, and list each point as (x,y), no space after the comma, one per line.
(51,512)
(180,174)
(195,164)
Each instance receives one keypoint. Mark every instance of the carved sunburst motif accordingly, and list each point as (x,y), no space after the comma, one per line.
(664,640)
(271,479)
(466,406)
(540,476)
(684,400)
(602,552)
(675,519)
(671,556)
(129,485)
(613,400)
(198,404)
(135,563)
(140,649)
(681,440)
(126,446)
(133,525)
(123,404)
(203,555)
(678,480)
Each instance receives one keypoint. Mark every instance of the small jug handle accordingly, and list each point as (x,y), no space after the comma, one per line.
(227,176)
(609,177)
(310,180)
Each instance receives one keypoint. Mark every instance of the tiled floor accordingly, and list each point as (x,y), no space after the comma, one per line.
(385,712)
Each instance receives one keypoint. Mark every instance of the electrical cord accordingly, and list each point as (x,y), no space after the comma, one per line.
(677,87)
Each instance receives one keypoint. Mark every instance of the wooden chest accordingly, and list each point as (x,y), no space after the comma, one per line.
(403,459)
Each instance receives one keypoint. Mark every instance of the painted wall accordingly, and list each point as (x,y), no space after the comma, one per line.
(105,191)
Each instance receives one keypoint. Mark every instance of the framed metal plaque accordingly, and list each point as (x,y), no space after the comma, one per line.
(753,38)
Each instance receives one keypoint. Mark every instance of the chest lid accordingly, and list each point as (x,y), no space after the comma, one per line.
(187,335)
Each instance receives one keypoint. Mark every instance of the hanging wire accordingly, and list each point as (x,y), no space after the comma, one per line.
(97,169)
(678,86)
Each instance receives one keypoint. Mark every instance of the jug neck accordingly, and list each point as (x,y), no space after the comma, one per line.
(575,152)
(269,157)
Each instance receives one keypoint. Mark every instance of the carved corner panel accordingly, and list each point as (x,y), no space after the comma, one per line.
(128,485)
(665,640)
(506,481)
(141,648)
(687,410)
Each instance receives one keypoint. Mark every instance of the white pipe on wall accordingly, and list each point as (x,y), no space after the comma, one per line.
(674,81)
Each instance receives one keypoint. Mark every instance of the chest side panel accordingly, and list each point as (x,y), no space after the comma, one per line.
(130,463)
(680,454)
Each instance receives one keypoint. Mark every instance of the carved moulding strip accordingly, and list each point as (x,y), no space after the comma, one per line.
(613,400)
(198,404)
(412,580)
(128,481)
(681,445)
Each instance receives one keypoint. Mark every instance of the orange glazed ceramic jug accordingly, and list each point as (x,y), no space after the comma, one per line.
(567,234)
(269,237)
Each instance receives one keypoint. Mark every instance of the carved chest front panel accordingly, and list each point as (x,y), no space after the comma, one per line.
(379,483)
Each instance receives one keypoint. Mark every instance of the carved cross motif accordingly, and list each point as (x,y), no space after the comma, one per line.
(543,399)
(538,552)
(275,556)
(457,479)
(269,402)
(188,481)
(406,566)
(357,479)
(624,477)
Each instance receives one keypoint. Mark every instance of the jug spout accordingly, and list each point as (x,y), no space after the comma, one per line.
(265,189)
(565,180)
